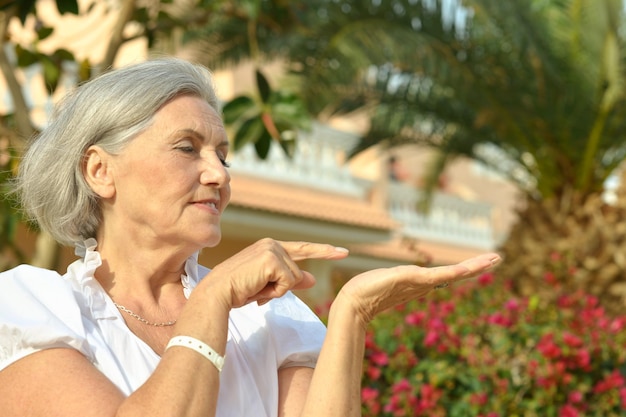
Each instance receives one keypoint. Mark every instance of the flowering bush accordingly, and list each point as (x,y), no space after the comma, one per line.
(475,350)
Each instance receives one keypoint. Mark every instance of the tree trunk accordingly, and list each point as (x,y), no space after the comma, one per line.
(568,244)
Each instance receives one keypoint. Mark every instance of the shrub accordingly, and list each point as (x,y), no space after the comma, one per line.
(476,350)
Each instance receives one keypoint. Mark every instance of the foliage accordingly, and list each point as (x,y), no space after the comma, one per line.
(476,350)
(50,62)
(276,115)
(313,39)
(540,83)
(26,7)
(534,89)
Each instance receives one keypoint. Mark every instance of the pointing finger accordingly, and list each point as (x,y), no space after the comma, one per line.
(307,250)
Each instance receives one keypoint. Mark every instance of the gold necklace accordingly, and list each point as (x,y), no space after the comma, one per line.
(141,319)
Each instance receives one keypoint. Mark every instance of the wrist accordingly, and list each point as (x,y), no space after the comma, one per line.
(345,307)
(200,347)
(215,291)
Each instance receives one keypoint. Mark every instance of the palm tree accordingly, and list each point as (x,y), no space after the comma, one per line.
(535,90)
(532,88)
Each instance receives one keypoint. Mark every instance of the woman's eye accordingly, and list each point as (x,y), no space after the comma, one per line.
(225,163)
(187,149)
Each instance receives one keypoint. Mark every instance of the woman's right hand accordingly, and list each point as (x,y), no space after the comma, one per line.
(377,290)
(267,269)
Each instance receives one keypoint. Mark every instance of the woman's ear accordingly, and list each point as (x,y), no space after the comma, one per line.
(98,173)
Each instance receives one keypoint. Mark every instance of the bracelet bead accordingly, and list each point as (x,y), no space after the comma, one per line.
(200,347)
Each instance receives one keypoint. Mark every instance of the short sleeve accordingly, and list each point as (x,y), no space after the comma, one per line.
(297,332)
(38,310)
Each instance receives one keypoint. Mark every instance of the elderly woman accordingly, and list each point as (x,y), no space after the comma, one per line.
(132,171)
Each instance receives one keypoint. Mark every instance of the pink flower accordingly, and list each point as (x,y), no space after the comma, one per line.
(568,411)
(478,398)
(550,278)
(533,366)
(617,324)
(613,380)
(513,305)
(499,319)
(373,372)
(429,395)
(394,405)
(369,394)
(379,358)
(575,397)
(485,279)
(402,386)
(582,359)
(592,301)
(369,397)
(431,338)
(415,318)
(572,340)
(446,308)
(548,348)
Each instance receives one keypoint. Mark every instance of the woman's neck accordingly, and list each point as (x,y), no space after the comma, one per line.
(139,274)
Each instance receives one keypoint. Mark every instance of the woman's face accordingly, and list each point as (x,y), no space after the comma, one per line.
(171,182)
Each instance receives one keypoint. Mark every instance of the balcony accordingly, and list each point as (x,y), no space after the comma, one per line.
(318,163)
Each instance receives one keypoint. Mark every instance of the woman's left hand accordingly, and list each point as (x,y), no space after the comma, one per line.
(372,292)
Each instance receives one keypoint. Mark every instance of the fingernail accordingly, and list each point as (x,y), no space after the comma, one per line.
(340,249)
(495,261)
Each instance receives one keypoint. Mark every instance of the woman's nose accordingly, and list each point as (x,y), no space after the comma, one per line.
(214,172)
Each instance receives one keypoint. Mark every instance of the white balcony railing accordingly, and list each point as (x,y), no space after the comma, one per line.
(450,219)
(318,163)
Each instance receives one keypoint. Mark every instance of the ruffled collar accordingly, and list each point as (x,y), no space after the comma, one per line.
(83,271)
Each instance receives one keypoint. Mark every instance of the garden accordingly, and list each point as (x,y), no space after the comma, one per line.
(477,350)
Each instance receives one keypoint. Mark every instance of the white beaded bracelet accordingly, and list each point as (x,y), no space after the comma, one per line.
(200,347)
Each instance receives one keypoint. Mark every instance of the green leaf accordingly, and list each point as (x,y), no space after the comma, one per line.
(251,7)
(289,146)
(84,70)
(67,6)
(25,7)
(263,144)
(236,108)
(265,90)
(25,57)
(288,108)
(44,32)
(62,55)
(249,131)
(141,15)
(51,74)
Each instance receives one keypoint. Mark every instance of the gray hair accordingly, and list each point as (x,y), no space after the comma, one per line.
(108,111)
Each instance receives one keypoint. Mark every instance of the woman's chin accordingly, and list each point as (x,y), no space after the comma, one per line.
(213,241)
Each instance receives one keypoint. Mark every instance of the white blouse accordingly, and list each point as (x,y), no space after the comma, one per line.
(40,309)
